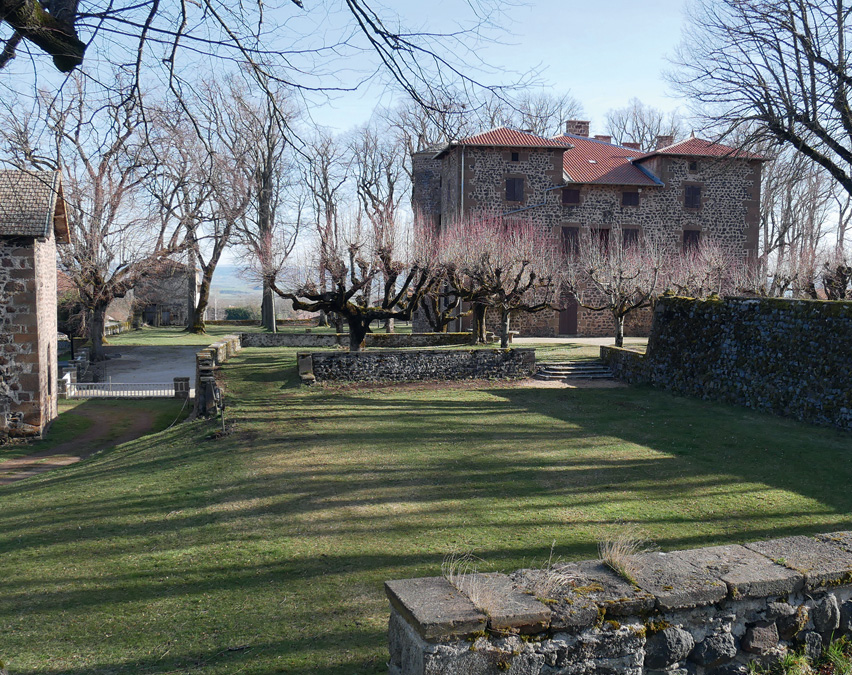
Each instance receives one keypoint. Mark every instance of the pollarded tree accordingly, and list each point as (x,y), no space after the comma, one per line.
(616,271)
(508,264)
(362,280)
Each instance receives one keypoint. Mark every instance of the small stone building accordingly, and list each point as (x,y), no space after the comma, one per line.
(682,192)
(32,223)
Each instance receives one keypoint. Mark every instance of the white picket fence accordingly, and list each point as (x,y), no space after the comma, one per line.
(119,390)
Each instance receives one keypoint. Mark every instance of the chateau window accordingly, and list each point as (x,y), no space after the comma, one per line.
(691,239)
(516,157)
(692,197)
(630,199)
(514,189)
(571,241)
(630,238)
(693,166)
(570,196)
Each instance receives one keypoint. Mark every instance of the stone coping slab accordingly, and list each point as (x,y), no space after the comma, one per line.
(508,608)
(679,579)
(435,607)
(747,574)
(597,582)
(820,562)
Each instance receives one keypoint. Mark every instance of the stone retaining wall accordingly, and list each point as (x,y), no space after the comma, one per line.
(389,340)
(788,357)
(706,611)
(411,365)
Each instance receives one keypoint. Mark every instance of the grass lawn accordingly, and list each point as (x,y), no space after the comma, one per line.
(77,417)
(177,336)
(265,551)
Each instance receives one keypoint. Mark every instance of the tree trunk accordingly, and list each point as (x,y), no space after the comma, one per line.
(505,319)
(267,310)
(619,330)
(322,322)
(390,325)
(338,322)
(358,329)
(478,336)
(196,324)
(96,333)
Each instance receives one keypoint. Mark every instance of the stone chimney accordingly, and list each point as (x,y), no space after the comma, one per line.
(577,127)
(664,141)
(632,146)
(605,139)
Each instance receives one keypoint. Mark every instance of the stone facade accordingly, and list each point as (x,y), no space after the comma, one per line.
(413,365)
(470,176)
(788,357)
(709,611)
(28,320)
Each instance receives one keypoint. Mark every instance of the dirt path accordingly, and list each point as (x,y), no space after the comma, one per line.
(85,445)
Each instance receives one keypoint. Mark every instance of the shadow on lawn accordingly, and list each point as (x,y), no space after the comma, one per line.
(323,494)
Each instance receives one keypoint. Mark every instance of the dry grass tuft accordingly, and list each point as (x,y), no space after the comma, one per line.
(619,554)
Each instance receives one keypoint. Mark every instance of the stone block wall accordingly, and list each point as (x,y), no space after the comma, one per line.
(707,611)
(206,361)
(28,346)
(412,365)
(788,357)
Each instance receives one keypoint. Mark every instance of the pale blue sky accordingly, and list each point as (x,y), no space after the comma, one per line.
(604,51)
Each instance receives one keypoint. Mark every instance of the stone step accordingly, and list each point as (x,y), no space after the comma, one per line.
(574,369)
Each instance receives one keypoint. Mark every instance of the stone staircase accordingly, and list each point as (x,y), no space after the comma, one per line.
(563,370)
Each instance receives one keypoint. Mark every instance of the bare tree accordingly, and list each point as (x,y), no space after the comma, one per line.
(362,280)
(778,68)
(378,171)
(510,265)
(709,269)
(642,124)
(613,273)
(269,227)
(204,183)
(277,42)
(797,198)
(99,145)
(324,173)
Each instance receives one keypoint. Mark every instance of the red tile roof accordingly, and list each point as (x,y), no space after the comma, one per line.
(698,147)
(505,138)
(598,162)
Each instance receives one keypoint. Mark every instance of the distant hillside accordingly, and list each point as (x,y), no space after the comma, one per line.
(227,281)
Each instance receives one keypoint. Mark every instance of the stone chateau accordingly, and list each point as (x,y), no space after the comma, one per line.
(685,192)
(32,222)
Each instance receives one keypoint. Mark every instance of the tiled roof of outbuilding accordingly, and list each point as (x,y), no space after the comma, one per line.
(601,163)
(31,204)
(504,137)
(698,147)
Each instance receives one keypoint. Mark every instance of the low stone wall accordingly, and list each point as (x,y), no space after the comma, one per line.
(411,365)
(388,340)
(706,611)
(206,361)
(788,357)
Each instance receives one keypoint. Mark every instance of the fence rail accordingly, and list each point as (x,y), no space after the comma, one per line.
(119,390)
